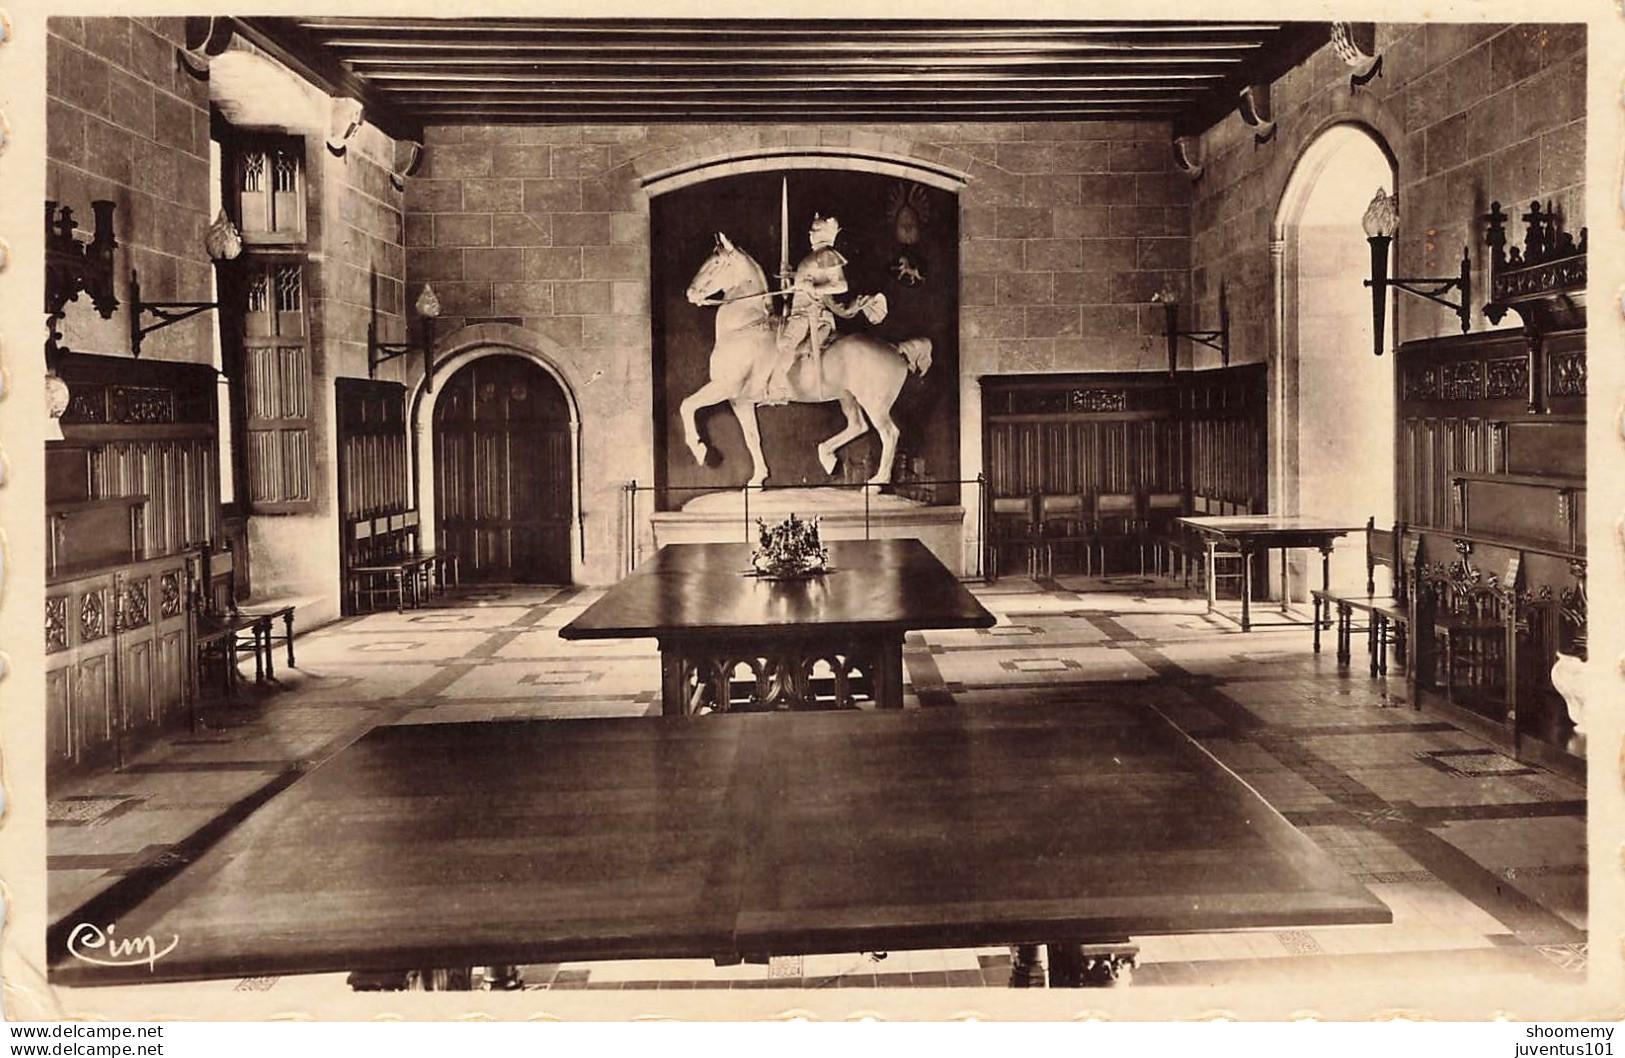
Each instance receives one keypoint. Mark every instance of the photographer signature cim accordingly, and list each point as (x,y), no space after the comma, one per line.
(93,944)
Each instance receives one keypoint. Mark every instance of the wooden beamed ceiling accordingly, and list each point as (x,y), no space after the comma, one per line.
(419,72)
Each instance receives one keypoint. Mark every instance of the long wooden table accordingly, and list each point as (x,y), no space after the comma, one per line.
(1253,534)
(735,837)
(730,641)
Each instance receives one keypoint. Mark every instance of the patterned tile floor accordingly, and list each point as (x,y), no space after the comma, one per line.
(1481,859)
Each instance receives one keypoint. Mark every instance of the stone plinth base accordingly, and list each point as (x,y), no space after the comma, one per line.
(721,517)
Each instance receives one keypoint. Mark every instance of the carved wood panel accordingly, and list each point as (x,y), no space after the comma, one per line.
(1202,432)
(119,659)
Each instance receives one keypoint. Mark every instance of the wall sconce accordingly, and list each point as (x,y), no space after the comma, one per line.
(1219,339)
(223,243)
(1356,44)
(1188,156)
(1254,107)
(1380,222)
(206,38)
(428,310)
(347,116)
(76,262)
(408,158)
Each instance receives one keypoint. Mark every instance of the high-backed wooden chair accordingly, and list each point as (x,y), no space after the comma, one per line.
(1012,527)
(1161,529)
(1116,520)
(1064,528)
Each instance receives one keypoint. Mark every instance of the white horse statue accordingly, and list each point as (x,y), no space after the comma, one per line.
(861,371)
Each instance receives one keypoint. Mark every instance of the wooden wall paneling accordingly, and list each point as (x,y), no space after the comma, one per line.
(372,456)
(1488,476)
(1127,432)
(118,660)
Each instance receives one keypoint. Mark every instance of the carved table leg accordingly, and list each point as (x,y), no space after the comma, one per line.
(1247,589)
(1212,578)
(1026,970)
(263,642)
(455,979)
(672,699)
(888,676)
(1076,965)
(1376,643)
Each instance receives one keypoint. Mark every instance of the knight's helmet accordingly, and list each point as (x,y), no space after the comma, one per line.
(823,231)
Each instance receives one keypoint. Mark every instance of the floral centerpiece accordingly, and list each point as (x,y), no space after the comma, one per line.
(789,549)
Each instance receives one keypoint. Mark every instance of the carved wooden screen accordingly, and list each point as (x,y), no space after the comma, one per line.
(1202,432)
(141,429)
(276,375)
(1454,396)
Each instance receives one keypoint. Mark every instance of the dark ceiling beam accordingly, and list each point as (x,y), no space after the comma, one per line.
(620,73)
(404,83)
(497,55)
(1029,65)
(746,101)
(288,43)
(633,117)
(893,30)
(622,114)
(360,48)
(1293,45)
(391,77)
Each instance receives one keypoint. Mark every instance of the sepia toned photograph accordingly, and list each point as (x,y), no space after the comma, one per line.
(1022,511)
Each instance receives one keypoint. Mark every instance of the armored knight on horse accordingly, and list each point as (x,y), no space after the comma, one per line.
(760,359)
(810,322)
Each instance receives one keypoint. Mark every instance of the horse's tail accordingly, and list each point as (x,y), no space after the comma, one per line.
(917,351)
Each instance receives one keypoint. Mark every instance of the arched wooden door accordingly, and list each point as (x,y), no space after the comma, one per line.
(502,473)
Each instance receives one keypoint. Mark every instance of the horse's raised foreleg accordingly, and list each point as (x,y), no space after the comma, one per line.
(745,412)
(856,426)
(707,395)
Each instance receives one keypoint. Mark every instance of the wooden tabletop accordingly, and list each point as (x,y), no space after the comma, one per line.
(736,834)
(1263,526)
(705,589)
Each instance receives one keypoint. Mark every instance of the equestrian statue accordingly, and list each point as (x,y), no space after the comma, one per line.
(762,358)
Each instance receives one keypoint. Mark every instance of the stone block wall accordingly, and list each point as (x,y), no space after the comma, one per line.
(1474,113)
(123,123)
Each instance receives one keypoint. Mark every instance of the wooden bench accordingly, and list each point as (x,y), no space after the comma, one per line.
(435,570)
(384,557)
(225,632)
(1387,615)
